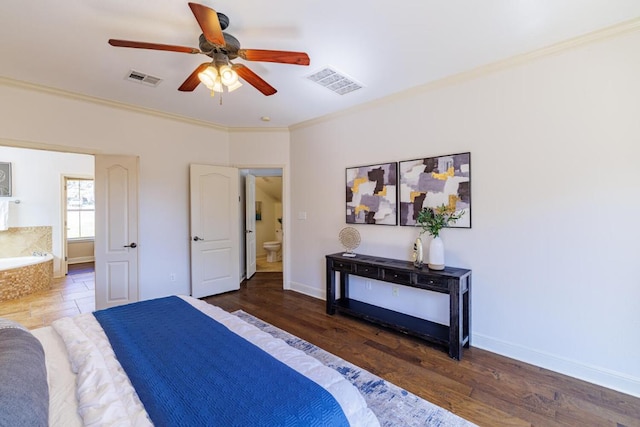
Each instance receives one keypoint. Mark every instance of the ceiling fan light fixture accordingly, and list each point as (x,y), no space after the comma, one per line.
(217,86)
(234,86)
(208,77)
(228,75)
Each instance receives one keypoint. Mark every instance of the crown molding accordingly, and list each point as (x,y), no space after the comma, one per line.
(483,70)
(33,145)
(257,130)
(113,104)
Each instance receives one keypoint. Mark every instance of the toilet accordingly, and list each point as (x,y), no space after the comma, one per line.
(273,248)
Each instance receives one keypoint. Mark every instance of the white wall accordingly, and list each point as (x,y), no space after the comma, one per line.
(554,149)
(166,147)
(37,183)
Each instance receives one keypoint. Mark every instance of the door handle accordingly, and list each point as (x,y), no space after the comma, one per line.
(195,239)
(131,245)
(248,231)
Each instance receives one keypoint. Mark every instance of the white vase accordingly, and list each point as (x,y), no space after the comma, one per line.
(436,254)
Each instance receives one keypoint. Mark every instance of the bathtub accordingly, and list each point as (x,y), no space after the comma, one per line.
(20,276)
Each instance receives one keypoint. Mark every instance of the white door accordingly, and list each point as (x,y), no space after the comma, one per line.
(116,240)
(250,224)
(215,222)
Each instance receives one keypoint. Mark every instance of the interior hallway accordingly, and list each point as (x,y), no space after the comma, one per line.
(68,296)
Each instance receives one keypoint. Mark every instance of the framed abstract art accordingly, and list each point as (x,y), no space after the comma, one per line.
(436,181)
(371,194)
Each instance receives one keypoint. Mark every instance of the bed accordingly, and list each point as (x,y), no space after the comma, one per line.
(168,361)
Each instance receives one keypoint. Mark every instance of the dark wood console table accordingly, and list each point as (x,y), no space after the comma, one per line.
(456,282)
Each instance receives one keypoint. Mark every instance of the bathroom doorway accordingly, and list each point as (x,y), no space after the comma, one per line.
(78,231)
(269,219)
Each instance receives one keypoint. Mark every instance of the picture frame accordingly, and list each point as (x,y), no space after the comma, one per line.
(6,184)
(258,211)
(434,181)
(371,194)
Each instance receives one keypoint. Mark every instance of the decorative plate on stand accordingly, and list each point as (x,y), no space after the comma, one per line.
(350,239)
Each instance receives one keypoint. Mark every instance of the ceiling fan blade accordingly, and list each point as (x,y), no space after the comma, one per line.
(193,81)
(254,80)
(154,46)
(209,24)
(281,56)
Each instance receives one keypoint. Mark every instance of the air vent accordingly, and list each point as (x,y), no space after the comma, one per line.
(335,81)
(137,76)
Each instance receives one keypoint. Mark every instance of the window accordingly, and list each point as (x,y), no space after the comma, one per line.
(80,209)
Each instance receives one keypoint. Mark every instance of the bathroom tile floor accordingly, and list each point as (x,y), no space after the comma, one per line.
(262,266)
(68,296)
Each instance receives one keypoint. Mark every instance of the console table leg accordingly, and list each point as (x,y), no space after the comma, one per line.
(331,289)
(466,319)
(455,320)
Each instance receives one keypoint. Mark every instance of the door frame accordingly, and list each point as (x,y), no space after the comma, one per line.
(286,214)
(250,236)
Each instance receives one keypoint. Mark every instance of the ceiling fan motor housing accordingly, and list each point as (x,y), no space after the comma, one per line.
(230,48)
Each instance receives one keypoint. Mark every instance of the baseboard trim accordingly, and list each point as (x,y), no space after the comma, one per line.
(593,374)
(80,260)
(307,290)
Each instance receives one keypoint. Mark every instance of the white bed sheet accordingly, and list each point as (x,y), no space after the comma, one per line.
(86,342)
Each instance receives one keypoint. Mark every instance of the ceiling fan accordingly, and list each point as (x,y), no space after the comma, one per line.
(221,48)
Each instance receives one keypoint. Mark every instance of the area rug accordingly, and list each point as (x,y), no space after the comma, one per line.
(392,405)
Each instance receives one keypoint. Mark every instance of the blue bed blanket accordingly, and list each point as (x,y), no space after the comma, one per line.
(190,370)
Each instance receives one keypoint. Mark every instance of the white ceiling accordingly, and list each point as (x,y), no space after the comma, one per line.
(387,47)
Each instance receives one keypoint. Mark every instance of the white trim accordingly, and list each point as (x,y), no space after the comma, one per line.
(119,105)
(307,290)
(81,260)
(81,239)
(32,145)
(593,374)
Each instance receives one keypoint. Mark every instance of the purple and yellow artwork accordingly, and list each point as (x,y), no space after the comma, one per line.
(433,182)
(372,194)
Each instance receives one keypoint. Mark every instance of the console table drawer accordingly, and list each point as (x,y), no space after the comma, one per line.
(342,266)
(396,276)
(432,282)
(367,271)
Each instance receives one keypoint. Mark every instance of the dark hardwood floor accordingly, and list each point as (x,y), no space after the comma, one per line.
(484,388)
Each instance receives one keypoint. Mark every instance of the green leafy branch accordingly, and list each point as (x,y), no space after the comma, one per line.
(433,220)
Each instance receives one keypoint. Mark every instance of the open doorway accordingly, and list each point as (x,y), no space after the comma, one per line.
(269,235)
(269,219)
(79,222)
